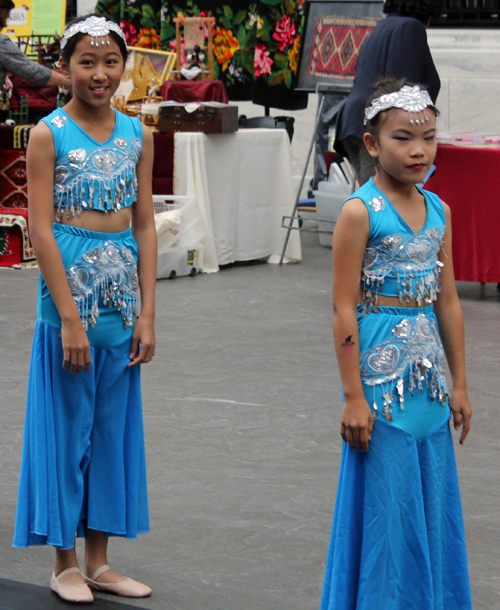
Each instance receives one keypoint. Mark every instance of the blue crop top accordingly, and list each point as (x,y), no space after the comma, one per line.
(93,175)
(399,262)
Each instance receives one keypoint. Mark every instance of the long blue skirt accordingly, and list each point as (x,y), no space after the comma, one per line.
(83,463)
(398,539)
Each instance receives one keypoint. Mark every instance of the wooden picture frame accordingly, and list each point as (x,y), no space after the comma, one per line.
(145,70)
(334,32)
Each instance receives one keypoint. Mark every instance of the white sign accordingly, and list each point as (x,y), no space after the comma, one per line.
(18,16)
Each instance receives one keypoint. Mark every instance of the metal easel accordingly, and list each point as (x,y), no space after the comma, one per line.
(321,89)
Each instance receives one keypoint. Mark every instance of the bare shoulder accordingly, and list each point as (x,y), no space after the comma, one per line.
(41,134)
(352,229)
(354,214)
(41,148)
(354,208)
(446,208)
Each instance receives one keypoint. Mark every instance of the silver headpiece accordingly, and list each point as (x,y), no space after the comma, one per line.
(95,27)
(412,99)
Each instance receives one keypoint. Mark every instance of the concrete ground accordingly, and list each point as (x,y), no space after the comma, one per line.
(241,408)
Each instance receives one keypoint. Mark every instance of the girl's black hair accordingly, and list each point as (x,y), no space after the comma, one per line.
(382,87)
(69,48)
(423,10)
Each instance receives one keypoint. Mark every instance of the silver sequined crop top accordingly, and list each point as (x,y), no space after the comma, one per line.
(399,262)
(92,175)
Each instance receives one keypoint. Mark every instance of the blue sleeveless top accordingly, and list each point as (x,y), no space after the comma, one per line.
(92,175)
(399,262)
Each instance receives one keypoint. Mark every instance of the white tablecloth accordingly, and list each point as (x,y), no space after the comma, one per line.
(243,184)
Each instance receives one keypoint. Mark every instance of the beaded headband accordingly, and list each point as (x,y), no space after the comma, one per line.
(95,27)
(412,99)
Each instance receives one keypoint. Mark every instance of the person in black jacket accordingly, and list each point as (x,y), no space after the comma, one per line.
(397,48)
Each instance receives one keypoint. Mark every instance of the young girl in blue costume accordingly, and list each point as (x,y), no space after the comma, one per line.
(89,179)
(398,540)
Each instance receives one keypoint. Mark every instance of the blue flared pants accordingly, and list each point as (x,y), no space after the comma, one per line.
(83,462)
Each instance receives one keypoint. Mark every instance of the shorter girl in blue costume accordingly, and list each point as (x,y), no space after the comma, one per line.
(89,178)
(398,540)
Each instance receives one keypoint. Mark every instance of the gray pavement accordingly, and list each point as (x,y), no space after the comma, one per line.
(241,408)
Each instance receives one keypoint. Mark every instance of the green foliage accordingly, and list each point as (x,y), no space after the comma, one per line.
(265,31)
(247,58)
(148,17)
(225,22)
(167,32)
(110,8)
(240,17)
(242,35)
(289,6)
(130,14)
(278,77)
(281,60)
(275,16)
(194,8)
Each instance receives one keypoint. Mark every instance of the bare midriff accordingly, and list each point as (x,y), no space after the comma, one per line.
(385,301)
(96,220)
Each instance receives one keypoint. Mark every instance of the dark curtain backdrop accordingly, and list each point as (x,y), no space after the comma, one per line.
(256,46)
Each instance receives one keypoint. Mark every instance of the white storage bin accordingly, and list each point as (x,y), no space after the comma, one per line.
(163,203)
(179,260)
(189,232)
(329,199)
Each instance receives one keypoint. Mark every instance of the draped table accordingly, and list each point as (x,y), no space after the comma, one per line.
(243,184)
(468,180)
(185,91)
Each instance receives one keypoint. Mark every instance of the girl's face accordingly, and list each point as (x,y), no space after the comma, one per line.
(95,71)
(404,151)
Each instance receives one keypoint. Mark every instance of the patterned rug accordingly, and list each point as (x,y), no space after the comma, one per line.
(13,188)
(336,44)
(15,246)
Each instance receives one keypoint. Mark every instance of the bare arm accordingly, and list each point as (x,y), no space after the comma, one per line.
(349,242)
(40,158)
(451,329)
(58,79)
(143,228)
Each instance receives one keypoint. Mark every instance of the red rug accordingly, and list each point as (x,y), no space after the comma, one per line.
(336,44)
(13,187)
(41,99)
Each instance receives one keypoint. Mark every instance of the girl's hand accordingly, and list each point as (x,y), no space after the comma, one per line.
(142,348)
(356,424)
(75,346)
(462,412)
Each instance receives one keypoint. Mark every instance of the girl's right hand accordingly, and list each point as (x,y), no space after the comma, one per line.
(356,424)
(76,346)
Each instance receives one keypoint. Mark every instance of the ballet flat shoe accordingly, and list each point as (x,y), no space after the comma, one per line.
(124,588)
(76,594)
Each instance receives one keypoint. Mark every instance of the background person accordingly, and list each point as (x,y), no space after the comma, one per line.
(12,59)
(396,48)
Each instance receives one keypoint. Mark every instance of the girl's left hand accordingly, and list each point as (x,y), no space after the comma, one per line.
(142,348)
(462,412)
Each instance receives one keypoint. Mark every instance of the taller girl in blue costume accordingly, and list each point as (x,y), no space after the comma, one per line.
(89,178)
(398,539)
